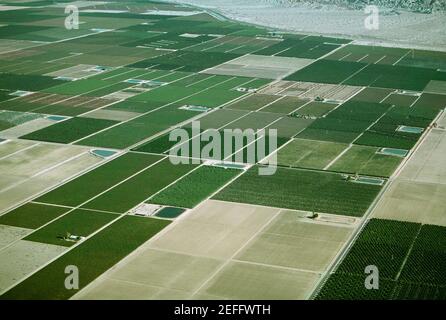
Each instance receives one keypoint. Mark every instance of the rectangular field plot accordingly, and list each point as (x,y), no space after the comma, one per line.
(186,61)
(10,234)
(26,82)
(334,130)
(309,154)
(351,287)
(296,242)
(241,281)
(427,259)
(193,250)
(149,276)
(359,111)
(48,283)
(307,47)
(288,127)
(285,105)
(385,140)
(401,100)
(70,130)
(195,187)
(396,77)
(365,160)
(138,188)
(369,54)
(424,59)
(32,215)
(212,98)
(22,258)
(383,243)
(413,201)
(215,229)
(253,102)
(326,71)
(140,128)
(409,257)
(98,180)
(315,109)
(230,259)
(301,190)
(33,169)
(267,67)
(77,223)
(372,95)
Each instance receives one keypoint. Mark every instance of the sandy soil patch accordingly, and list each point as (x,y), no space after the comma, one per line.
(22,258)
(200,256)
(9,234)
(26,128)
(34,177)
(297,243)
(417,195)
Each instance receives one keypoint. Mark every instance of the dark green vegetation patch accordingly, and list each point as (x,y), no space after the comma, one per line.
(106,248)
(301,190)
(195,187)
(78,223)
(411,259)
(32,215)
(70,130)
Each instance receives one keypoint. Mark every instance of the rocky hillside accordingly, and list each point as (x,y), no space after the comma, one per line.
(422,6)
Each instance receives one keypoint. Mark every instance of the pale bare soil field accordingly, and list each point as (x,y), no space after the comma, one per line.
(224,250)
(417,194)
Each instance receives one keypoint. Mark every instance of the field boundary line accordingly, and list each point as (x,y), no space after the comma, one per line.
(332,162)
(276,266)
(346,248)
(43,171)
(239,250)
(87,201)
(154,110)
(119,216)
(35,144)
(409,252)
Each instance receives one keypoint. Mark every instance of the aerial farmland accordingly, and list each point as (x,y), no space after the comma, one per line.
(344,175)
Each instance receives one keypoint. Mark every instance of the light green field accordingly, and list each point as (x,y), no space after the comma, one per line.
(366,161)
(309,153)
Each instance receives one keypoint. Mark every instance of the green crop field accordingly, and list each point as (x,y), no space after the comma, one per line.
(365,160)
(70,130)
(32,215)
(409,258)
(195,187)
(138,188)
(78,223)
(302,190)
(105,248)
(309,154)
